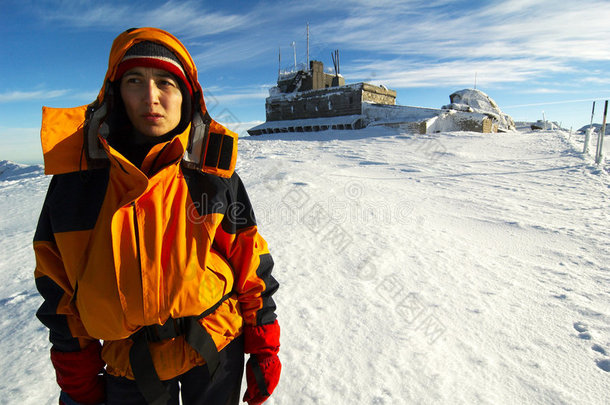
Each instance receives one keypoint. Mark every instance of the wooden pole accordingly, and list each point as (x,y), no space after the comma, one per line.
(588,132)
(600,139)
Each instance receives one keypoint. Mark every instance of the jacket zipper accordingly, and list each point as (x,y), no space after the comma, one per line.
(136,231)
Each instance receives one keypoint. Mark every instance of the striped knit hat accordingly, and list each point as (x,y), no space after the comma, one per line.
(152,54)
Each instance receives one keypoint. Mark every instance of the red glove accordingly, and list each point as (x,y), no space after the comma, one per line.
(264,367)
(78,374)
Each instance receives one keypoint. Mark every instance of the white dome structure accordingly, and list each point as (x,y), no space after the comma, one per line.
(472,100)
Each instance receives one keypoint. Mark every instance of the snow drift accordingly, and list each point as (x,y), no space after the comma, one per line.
(15,171)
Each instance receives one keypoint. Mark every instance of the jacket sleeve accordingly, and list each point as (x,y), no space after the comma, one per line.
(67,334)
(74,354)
(249,256)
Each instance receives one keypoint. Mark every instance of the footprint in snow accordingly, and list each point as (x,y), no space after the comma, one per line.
(604,365)
(584,331)
(371,163)
(599,349)
(580,327)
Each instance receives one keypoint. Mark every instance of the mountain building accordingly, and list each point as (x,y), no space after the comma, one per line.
(312,99)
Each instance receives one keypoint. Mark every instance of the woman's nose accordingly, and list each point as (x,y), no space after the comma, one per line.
(151,92)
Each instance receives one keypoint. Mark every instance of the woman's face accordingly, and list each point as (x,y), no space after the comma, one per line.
(152,99)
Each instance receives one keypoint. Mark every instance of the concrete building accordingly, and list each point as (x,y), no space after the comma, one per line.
(314,94)
(313,100)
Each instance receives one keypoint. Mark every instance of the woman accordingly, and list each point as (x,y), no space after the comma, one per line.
(147,242)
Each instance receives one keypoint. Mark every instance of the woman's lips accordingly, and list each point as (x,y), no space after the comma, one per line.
(152,117)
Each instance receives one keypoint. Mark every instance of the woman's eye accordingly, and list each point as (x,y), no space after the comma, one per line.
(166,83)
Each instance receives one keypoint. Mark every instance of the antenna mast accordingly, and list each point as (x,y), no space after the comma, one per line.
(307,67)
(279,62)
(335,58)
(294,49)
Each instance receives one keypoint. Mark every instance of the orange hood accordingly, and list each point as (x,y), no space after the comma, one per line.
(73,138)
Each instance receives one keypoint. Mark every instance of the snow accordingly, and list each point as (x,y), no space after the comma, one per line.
(10,171)
(276,95)
(456,267)
(473,100)
(380,114)
(323,122)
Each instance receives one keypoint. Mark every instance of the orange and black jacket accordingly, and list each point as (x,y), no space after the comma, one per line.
(119,247)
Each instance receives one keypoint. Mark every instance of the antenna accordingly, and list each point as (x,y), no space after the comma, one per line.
(294,48)
(307,67)
(475,80)
(335,58)
(279,62)
(338,64)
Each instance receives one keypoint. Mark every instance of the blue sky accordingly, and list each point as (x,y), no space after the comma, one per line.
(531,56)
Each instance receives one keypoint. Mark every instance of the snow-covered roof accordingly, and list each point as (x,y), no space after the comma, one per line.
(473,100)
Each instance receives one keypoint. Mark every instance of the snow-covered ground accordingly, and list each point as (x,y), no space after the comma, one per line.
(453,268)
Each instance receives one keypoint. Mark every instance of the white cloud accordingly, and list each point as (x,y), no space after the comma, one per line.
(411,43)
(187,18)
(507,29)
(441,29)
(231,51)
(15,96)
(403,73)
(602,79)
(554,102)
(216,95)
